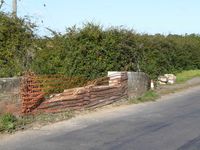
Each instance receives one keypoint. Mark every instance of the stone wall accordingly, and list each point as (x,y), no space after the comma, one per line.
(88,97)
(9,94)
(119,86)
(138,84)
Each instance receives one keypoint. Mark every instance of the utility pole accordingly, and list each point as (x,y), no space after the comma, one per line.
(1,3)
(14,5)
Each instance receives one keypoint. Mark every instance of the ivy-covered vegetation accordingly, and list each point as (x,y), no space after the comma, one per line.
(92,50)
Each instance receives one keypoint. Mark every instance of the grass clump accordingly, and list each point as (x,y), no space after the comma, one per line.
(8,123)
(148,96)
(187,75)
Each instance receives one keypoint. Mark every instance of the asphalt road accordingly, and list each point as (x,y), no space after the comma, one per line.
(172,123)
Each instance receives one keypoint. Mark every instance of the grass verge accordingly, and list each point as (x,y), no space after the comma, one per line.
(148,96)
(9,123)
(51,117)
(187,75)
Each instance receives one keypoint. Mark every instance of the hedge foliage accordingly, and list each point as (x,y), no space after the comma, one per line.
(91,51)
(16,45)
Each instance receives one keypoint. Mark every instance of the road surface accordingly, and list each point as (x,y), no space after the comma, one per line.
(171,123)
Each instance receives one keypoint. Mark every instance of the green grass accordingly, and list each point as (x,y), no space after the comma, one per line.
(148,96)
(9,123)
(187,75)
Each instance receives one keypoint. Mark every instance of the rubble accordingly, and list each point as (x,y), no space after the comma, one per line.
(167,79)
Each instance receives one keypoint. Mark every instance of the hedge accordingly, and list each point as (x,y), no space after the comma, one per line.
(92,50)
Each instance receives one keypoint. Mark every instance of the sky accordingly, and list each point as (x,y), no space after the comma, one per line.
(144,16)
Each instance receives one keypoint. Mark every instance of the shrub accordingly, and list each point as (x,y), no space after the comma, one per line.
(16,45)
(91,51)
